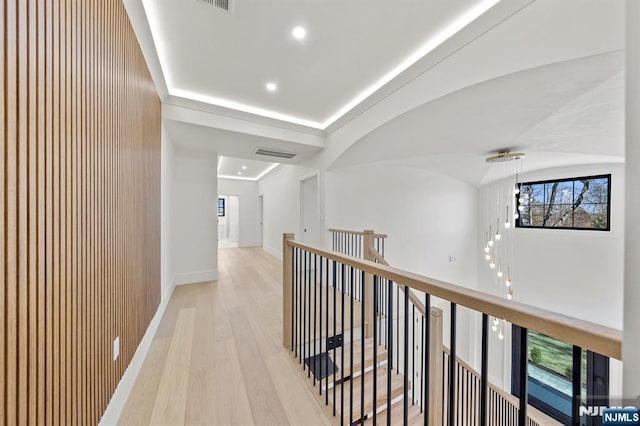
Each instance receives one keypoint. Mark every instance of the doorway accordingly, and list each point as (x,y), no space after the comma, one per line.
(309,211)
(261,219)
(228,221)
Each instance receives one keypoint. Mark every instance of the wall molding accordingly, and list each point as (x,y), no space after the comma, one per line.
(196,277)
(121,394)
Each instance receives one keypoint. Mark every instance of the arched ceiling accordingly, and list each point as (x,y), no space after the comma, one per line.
(570,112)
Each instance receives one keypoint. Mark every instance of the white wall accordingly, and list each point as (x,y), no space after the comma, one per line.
(577,273)
(247,193)
(427,216)
(166,215)
(195,241)
(429,219)
(631,342)
(281,194)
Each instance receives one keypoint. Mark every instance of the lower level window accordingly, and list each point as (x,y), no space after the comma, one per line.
(550,375)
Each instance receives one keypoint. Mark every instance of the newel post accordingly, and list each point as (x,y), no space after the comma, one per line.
(368,283)
(287,292)
(436,374)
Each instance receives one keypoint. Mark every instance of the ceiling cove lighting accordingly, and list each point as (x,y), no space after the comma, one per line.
(260,176)
(455,26)
(501,213)
(299,33)
(245,108)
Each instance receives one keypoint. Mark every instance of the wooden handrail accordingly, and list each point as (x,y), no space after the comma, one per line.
(594,337)
(412,297)
(346,231)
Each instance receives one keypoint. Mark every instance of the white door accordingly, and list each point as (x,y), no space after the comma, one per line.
(309,215)
(261,218)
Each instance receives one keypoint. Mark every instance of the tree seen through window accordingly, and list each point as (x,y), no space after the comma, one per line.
(576,203)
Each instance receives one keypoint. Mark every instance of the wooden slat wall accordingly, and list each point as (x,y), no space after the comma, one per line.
(79,206)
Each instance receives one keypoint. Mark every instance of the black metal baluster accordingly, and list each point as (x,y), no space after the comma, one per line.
(413,351)
(351,372)
(326,347)
(362,335)
(524,397)
(406,356)
(342,352)
(427,364)
(335,309)
(300,305)
(315,301)
(294,326)
(350,253)
(484,372)
(452,367)
(318,365)
(390,361)
(398,329)
(304,310)
(385,295)
(308,352)
(376,280)
(576,388)
(422,361)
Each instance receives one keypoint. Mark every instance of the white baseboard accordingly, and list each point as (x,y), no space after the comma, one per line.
(250,244)
(121,394)
(273,252)
(196,277)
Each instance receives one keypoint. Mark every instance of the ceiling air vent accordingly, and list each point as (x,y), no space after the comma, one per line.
(273,153)
(222,4)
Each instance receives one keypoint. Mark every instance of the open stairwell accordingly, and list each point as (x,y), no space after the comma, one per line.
(356,390)
(371,345)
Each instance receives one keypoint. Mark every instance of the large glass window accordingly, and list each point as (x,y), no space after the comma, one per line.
(575,203)
(550,375)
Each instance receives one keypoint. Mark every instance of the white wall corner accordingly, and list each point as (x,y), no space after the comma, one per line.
(273,252)
(196,277)
(121,394)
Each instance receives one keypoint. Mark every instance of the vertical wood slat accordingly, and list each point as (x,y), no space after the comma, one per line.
(12,301)
(3,237)
(79,206)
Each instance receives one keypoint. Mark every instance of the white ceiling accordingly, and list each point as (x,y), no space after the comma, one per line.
(238,168)
(566,113)
(352,47)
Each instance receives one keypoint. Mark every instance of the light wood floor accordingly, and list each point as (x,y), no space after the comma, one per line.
(217,357)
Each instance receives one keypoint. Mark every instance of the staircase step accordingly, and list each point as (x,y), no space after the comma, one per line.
(397,387)
(414,416)
(357,359)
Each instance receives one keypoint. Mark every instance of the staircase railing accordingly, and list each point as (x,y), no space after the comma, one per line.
(387,382)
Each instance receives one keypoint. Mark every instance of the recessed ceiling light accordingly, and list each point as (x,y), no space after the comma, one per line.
(244,167)
(239,173)
(272,87)
(299,32)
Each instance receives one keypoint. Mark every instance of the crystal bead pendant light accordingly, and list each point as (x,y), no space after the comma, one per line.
(504,204)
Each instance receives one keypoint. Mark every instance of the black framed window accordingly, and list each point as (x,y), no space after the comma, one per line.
(221,211)
(550,376)
(576,203)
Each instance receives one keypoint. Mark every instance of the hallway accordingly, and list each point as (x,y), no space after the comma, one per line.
(217,356)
